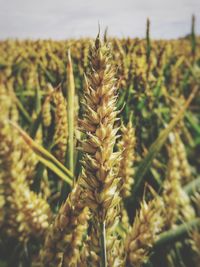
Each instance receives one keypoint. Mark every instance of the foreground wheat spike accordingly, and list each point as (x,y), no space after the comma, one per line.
(147,225)
(61,132)
(99,178)
(25,214)
(176,200)
(127,146)
(65,234)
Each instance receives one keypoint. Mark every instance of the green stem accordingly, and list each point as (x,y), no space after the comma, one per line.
(148,41)
(23,110)
(103,244)
(37,100)
(35,125)
(175,234)
(193,37)
(70,113)
(192,187)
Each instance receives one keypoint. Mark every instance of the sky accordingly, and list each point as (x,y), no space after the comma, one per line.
(62,19)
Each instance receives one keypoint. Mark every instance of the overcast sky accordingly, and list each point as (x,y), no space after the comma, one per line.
(61,19)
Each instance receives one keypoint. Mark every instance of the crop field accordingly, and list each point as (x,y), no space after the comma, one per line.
(99,152)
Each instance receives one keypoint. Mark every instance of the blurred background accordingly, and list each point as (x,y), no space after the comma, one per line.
(63,19)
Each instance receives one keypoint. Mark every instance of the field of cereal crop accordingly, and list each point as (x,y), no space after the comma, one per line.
(99,152)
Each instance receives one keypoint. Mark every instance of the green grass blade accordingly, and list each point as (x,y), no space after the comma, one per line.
(35,125)
(192,187)
(176,234)
(22,110)
(155,148)
(37,100)
(45,157)
(70,112)
(103,244)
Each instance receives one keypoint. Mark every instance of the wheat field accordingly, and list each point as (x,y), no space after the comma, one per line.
(99,152)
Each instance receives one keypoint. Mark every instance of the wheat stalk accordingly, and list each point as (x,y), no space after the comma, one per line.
(99,176)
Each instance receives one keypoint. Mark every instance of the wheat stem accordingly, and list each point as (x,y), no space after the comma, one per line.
(103,244)
(175,234)
(70,113)
(192,186)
